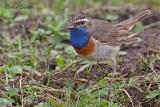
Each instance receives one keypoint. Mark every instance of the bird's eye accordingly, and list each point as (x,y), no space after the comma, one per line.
(82,22)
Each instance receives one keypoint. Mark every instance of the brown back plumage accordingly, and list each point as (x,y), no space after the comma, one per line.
(117,34)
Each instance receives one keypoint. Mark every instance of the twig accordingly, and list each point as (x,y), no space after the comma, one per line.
(137,88)
(122,76)
(20,86)
(11,43)
(82,68)
(77,80)
(149,86)
(151,66)
(127,95)
(119,78)
(49,89)
(64,69)
(56,99)
(152,25)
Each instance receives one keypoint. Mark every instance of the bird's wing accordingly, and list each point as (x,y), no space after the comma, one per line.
(120,33)
(105,32)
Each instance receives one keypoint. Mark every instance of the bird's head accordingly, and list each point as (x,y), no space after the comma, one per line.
(79,33)
(79,21)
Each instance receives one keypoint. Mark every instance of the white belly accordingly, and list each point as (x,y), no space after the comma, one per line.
(102,52)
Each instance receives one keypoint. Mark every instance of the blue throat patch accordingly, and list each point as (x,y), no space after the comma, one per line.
(79,37)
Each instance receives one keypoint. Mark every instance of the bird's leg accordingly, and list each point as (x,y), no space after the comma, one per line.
(114,70)
(91,75)
(114,66)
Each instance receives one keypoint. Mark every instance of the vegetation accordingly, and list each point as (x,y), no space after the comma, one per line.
(38,64)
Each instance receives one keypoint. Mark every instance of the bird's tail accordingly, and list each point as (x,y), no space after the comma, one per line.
(129,23)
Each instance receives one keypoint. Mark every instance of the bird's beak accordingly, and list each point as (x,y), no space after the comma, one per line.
(70,25)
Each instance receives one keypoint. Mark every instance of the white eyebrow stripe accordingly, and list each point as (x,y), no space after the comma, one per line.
(85,20)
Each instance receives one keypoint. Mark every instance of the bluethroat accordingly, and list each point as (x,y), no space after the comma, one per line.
(99,40)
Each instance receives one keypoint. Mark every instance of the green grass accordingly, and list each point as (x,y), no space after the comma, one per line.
(30,38)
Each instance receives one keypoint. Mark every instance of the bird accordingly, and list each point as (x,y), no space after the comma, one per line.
(100,40)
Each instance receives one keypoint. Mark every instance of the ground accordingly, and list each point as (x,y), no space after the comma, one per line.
(38,64)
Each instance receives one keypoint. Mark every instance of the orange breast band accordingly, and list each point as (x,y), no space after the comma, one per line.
(87,50)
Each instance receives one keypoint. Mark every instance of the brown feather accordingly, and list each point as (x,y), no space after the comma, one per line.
(87,50)
(129,23)
(106,32)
